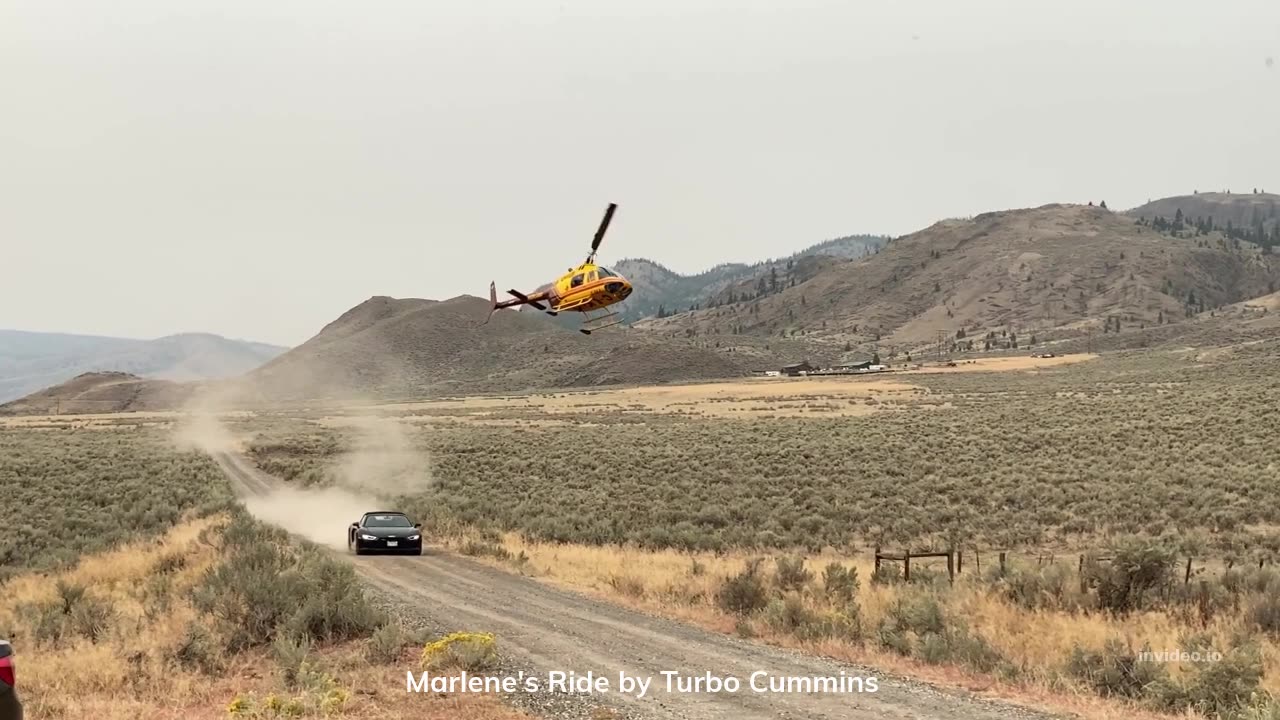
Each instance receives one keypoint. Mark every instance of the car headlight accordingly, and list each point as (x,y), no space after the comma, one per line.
(368,537)
(414,537)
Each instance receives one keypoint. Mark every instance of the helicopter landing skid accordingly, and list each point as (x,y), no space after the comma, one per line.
(600,322)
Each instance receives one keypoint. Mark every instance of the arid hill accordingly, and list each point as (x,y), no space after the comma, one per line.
(30,361)
(1244,211)
(408,348)
(1026,271)
(103,392)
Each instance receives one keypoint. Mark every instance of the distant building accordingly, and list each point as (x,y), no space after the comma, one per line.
(801,368)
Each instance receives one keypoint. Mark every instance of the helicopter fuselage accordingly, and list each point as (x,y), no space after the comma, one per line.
(585,288)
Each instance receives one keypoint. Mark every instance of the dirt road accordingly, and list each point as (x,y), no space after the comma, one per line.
(551,629)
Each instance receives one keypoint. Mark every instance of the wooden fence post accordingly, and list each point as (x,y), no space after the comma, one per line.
(1186,578)
(959,561)
(951,568)
(877,558)
(977,561)
(1002,562)
(906,565)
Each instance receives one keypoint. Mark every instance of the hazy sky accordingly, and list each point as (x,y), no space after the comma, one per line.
(255,168)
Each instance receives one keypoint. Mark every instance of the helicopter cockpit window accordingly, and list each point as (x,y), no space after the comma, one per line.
(576,281)
(605,272)
(591,276)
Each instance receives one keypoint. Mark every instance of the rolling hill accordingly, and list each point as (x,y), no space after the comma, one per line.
(660,290)
(409,348)
(102,392)
(30,361)
(1254,216)
(1027,271)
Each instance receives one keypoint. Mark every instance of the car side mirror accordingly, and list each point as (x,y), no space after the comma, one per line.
(417,526)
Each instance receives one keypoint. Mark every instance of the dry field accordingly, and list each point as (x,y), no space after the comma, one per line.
(1152,455)
(661,497)
(133,589)
(840,395)
(974,636)
(124,634)
(1007,364)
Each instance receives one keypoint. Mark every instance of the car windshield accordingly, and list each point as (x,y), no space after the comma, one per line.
(387,521)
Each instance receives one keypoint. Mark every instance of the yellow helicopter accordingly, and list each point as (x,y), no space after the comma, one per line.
(585,289)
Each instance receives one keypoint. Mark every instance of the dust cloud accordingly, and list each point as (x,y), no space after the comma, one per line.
(383,460)
(382,463)
(320,515)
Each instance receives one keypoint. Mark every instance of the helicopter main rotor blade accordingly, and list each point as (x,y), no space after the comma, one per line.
(604,225)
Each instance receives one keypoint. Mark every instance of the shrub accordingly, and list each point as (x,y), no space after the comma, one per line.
(886,574)
(1218,688)
(627,585)
(973,650)
(1049,587)
(198,650)
(921,614)
(335,607)
(461,650)
(263,586)
(791,573)
(839,582)
(1115,671)
(385,644)
(788,614)
(744,593)
(1261,706)
(290,654)
(1264,612)
(91,617)
(844,624)
(484,548)
(1136,568)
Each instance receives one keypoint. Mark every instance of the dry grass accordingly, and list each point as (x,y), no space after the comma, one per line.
(836,395)
(1005,364)
(91,490)
(135,669)
(1035,643)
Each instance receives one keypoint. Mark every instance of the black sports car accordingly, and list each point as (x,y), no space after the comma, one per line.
(385,531)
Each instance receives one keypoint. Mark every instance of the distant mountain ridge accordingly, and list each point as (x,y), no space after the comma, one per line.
(662,290)
(1252,217)
(1025,272)
(31,361)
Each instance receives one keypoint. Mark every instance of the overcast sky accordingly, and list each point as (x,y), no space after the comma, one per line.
(255,168)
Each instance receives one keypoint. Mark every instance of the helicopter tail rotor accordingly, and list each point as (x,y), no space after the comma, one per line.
(604,225)
(493,302)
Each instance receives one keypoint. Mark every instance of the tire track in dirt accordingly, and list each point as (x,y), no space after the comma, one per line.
(552,629)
